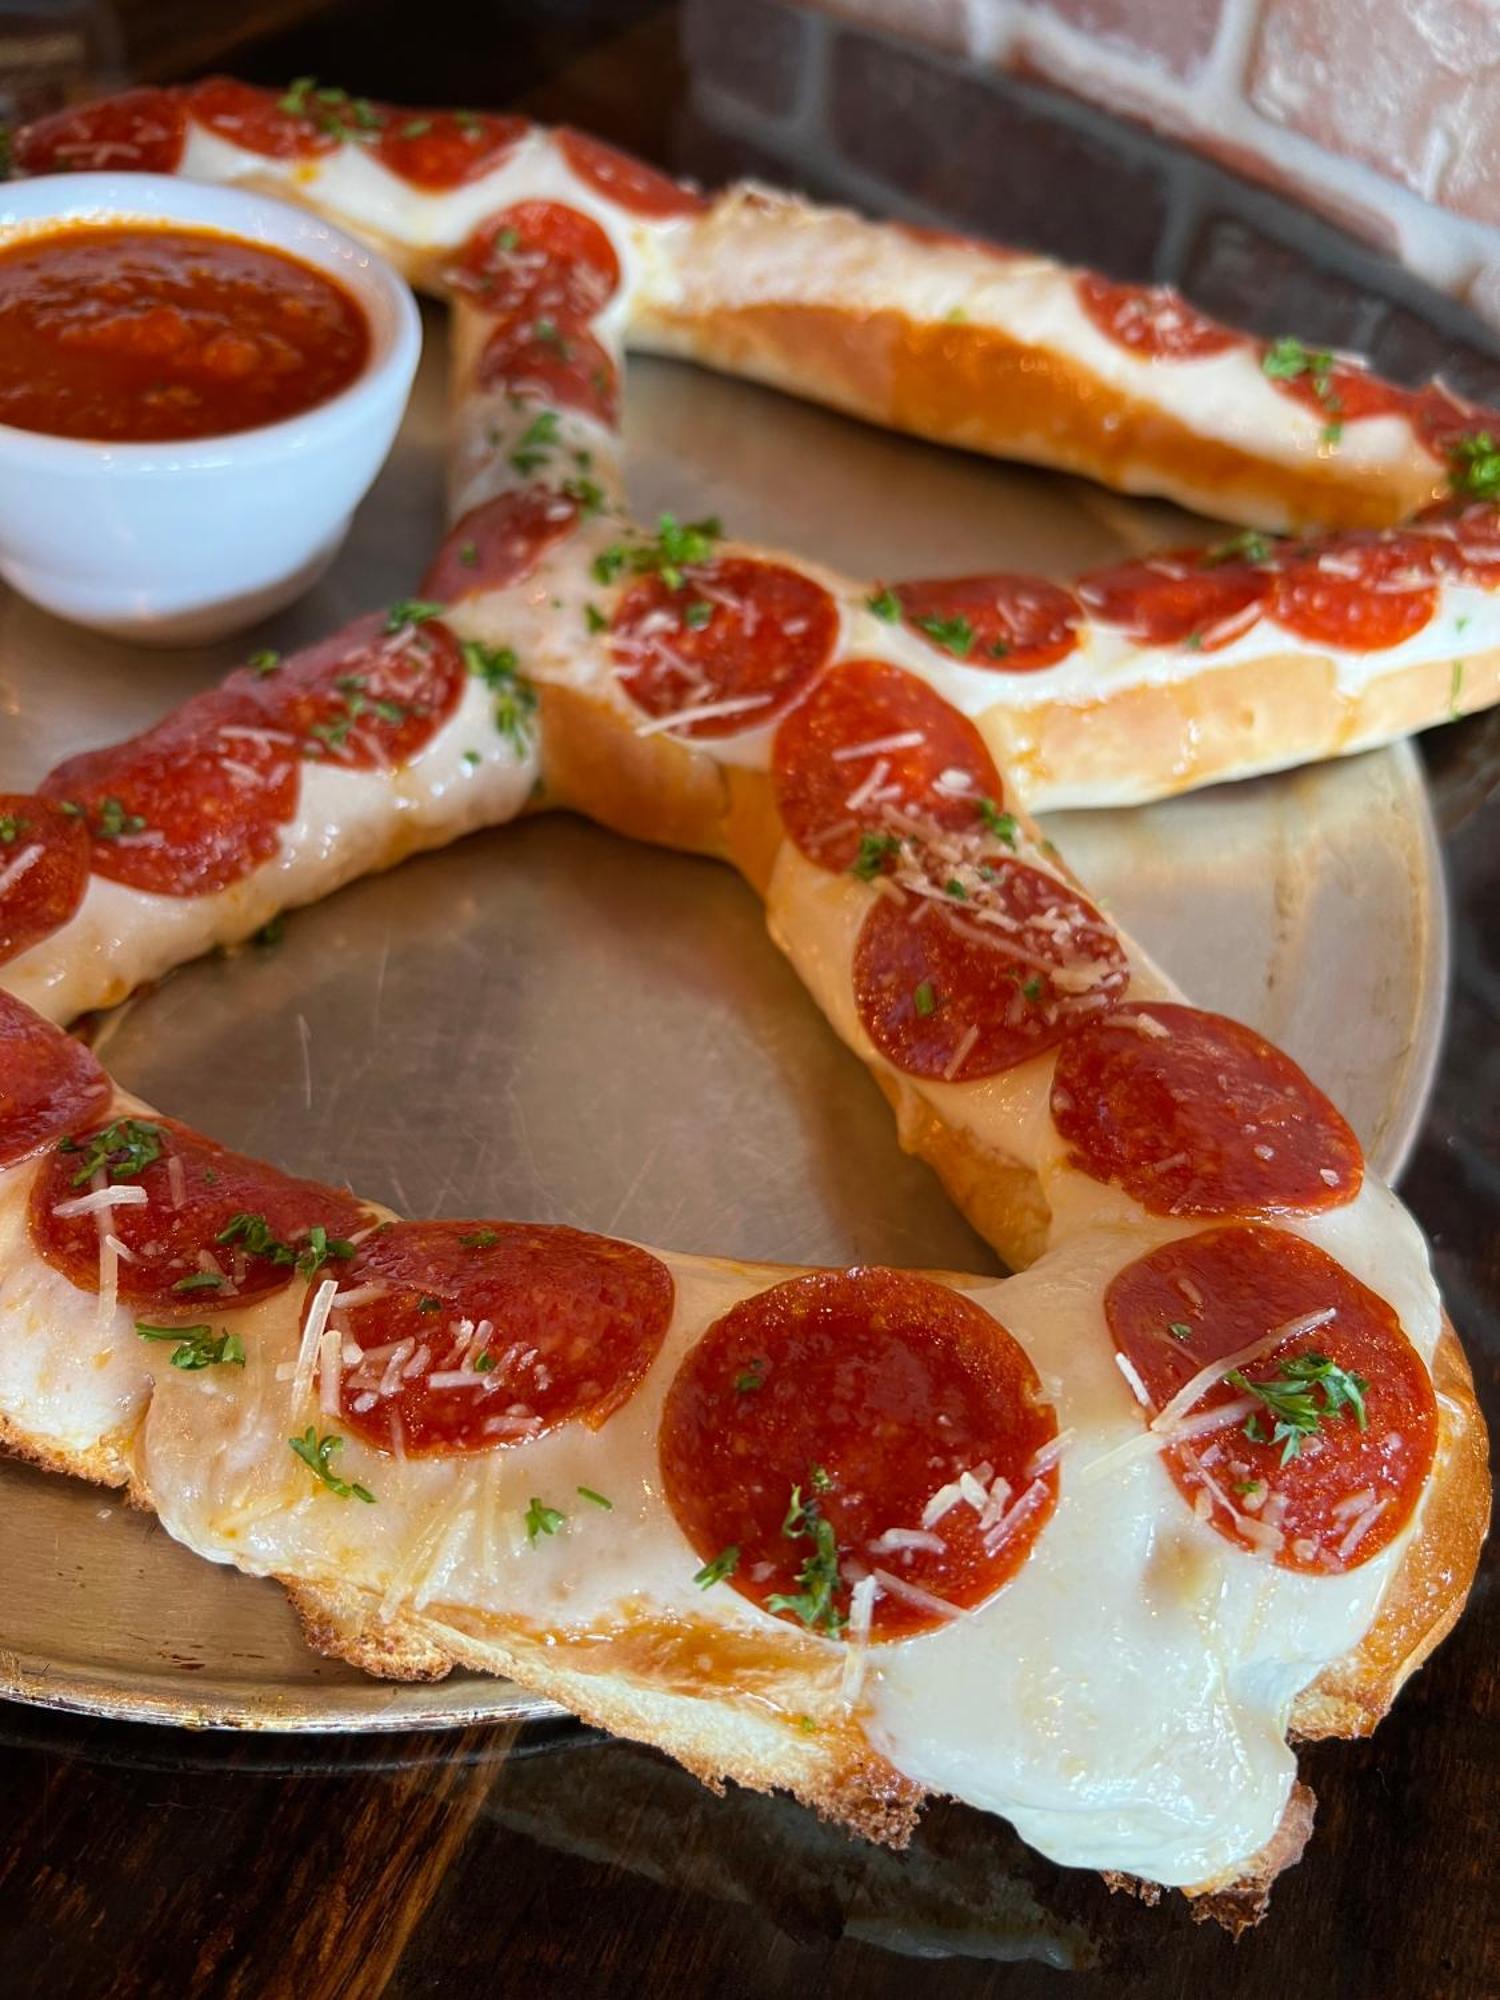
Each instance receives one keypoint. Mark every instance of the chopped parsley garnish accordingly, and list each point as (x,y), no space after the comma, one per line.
(429,1303)
(586,494)
(594,618)
(924,1000)
(596,1499)
(1179,1329)
(122,1150)
(542,1520)
(676,547)
(515,697)
(954,635)
(411,611)
(1031,989)
(334,112)
(468,554)
(256,1237)
(316,1453)
(199,1346)
(484,1363)
(472,759)
(537,442)
(956,890)
(114,821)
(875,849)
(320,1247)
(1474,466)
(414,128)
(886,606)
(266,661)
(697,614)
(724,1564)
(1250,545)
(1456,688)
(751,1378)
(1292,1399)
(1005,826)
(271,932)
(12,826)
(479,1239)
(201,1281)
(1287,360)
(819,1575)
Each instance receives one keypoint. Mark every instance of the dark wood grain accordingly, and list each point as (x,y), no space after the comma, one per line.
(137,1862)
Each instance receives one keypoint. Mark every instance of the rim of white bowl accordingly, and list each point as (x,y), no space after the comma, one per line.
(390,310)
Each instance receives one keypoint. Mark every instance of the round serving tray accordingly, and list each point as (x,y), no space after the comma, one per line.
(550,1022)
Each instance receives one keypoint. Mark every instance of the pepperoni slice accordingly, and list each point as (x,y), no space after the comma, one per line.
(622,179)
(482,1334)
(1463,540)
(1444,420)
(439,150)
(44,870)
(369,698)
(1013,623)
(216,1229)
(498,543)
(554,360)
(49,1083)
(258,120)
(871,746)
(1290,1473)
(818,1425)
(731,631)
(189,806)
(1193,1114)
(1179,598)
(1152,320)
(541,257)
(1360,592)
(954,992)
(1341,392)
(139,132)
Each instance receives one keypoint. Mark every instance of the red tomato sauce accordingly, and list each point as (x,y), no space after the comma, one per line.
(137,335)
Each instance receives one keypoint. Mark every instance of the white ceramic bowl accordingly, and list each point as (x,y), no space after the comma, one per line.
(180,542)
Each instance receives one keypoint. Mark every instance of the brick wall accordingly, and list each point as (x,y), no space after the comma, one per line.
(1383,115)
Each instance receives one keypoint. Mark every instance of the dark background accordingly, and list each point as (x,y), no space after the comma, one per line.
(138,1861)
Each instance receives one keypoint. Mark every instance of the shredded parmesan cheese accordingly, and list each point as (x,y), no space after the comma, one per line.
(97,1200)
(312,1334)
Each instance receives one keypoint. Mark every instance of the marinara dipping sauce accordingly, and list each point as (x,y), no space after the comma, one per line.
(136,333)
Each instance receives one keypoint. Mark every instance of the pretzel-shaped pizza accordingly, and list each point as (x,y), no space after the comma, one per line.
(1079,1546)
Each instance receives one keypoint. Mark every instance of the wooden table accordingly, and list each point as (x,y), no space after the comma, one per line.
(136,1861)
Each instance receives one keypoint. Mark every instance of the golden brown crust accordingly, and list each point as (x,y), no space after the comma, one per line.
(977,387)
(644,786)
(105,1462)
(1237,1904)
(1431,1584)
(1210,723)
(782,1729)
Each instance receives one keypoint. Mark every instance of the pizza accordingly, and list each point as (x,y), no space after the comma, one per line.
(1082,1546)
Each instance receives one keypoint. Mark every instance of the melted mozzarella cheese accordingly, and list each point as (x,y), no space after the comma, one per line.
(758,248)
(348,822)
(71,1376)
(1123,1700)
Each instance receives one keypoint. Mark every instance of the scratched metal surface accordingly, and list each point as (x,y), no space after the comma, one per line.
(546,1021)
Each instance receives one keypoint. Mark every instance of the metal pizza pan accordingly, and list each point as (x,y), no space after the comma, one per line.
(546,1021)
